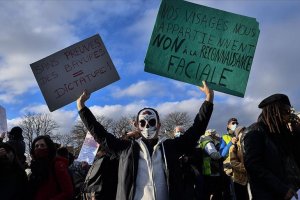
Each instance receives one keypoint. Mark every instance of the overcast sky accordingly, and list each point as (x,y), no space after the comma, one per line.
(31,30)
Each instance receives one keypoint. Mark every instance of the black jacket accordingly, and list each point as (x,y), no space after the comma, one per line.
(265,159)
(102,179)
(128,152)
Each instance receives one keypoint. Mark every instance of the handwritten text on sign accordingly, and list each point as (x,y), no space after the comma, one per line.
(63,76)
(192,43)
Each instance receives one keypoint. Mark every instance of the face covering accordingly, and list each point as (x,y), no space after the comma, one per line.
(41,153)
(177,134)
(148,123)
(233,127)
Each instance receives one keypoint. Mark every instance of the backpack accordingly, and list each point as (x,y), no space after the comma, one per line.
(102,179)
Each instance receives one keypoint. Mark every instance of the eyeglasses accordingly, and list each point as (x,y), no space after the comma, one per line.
(151,122)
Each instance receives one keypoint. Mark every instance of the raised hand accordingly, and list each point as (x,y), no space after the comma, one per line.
(82,99)
(207,91)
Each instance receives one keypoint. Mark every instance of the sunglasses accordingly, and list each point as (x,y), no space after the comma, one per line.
(151,122)
(233,123)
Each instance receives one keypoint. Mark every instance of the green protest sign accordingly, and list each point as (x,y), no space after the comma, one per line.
(191,43)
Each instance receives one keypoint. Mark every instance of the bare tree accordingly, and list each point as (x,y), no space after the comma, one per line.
(79,131)
(34,125)
(64,139)
(175,119)
(122,126)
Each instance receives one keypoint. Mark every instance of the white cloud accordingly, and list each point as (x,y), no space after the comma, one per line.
(141,89)
(65,119)
(141,30)
(46,27)
(41,29)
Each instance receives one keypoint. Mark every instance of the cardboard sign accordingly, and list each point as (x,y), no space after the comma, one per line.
(191,43)
(64,75)
(3,120)
(88,150)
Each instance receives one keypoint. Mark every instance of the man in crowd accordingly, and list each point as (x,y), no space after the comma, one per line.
(149,165)
(227,140)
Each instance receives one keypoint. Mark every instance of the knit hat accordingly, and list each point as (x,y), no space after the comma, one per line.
(282,98)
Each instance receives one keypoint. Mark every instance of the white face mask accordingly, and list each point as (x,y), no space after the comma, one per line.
(148,123)
(233,127)
(177,134)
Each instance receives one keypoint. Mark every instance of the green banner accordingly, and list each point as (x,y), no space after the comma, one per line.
(191,43)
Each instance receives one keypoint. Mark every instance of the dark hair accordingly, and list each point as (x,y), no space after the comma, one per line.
(156,113)
(232,120)
(272,116)
(16,133)
(49,142)
(63,151)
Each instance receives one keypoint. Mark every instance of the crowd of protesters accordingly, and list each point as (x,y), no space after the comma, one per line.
(260,161)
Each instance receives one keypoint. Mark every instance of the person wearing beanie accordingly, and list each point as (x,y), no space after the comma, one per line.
(272,155)
(16,140)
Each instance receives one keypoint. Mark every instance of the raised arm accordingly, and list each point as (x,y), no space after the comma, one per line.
(208,92)
(192,135)
(82,99)
(100,134)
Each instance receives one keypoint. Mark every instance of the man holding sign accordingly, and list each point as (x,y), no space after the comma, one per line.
(149,167)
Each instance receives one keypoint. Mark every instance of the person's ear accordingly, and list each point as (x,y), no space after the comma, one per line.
(158,125)
(135,124)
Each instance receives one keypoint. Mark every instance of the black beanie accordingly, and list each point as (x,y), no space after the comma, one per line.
(282,98)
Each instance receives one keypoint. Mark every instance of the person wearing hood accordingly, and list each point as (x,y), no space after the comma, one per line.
(149,165)
(13,179)
(16,140)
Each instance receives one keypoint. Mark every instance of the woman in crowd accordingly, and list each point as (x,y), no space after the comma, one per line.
(50,178)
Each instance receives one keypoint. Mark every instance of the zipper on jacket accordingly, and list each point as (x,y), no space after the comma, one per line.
(166,166)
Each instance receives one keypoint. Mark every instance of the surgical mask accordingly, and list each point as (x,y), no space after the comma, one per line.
(233,127)
(177,134)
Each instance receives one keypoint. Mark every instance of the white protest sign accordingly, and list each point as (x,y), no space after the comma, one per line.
(3,120)
(88,150)
(64,75)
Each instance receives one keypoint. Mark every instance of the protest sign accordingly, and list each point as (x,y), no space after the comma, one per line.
(88,150)
(3,120)
(64,75)
(191,43)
